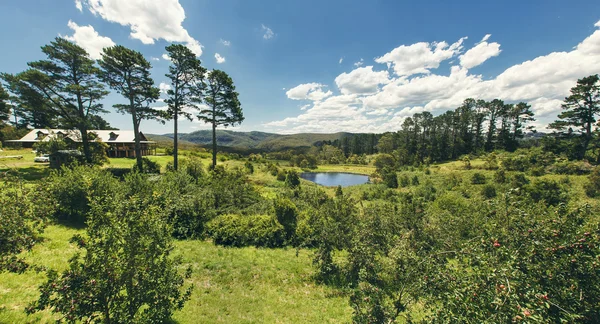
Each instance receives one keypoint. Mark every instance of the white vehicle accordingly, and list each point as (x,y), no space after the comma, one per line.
(43,158)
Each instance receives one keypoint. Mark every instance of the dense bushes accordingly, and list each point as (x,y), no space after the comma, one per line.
(592,188)
(240,230)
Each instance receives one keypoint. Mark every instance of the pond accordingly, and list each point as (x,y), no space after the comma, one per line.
(334,179)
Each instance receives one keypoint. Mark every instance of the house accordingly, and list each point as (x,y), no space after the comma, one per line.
(121,143)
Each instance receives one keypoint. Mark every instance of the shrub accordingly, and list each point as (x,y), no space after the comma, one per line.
(466,160)
(571,167)
(537,171)
(23,215)
(148,166)
(519,180)
(237,230)
(126,275)
(72,190)
(281,175)
(390,178)
(287,215)
(292,180)
(404,181)
(516,163)
(478,178)
(500,176)
(249,167)
(488,191)
(548,191)
(415,180)
(592,188)
(491,161)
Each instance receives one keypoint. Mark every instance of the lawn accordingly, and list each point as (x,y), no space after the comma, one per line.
(231,285)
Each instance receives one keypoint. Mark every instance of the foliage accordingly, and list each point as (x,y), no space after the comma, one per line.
(478,178)
(390,178)
(249,167)
(127,274)
(53,145)
(73,189)
(287,215)
(383,161)
(548,191)
(488,191)
(292,180)
(223,106)
(148,166)
(592,188)
(186,75)
(239,230)
(66,83)
(128,73)
(23,217)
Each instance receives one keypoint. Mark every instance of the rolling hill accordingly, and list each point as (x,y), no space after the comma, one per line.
(255,141)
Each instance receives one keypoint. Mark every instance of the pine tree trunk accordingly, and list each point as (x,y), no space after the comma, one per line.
(214,144)
(175,145)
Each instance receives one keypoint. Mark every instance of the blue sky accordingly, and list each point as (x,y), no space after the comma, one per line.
(327,66)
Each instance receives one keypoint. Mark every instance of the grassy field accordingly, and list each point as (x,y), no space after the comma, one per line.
(231,285)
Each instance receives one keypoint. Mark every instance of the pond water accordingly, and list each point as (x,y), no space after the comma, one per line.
(334,179)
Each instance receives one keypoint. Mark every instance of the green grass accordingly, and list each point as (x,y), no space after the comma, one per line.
(231,285)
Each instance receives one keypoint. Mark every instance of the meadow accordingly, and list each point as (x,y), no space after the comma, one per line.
(286,284)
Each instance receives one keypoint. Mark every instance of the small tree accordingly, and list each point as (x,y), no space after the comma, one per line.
(126,274)
(223,105)
(128,73)
(186,74)
(4,106)
(22,220)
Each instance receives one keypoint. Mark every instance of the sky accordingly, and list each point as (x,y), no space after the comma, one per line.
(329,66)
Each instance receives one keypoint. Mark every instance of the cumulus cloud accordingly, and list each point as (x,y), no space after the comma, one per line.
(164,87)
(220,59)
(78,5)
(88,38)
(149,20)
(225,42)
(359,63)
(268,33)
(361,81)
(370,101)
(166,57)
(419,58)
(308,91)
(480,53)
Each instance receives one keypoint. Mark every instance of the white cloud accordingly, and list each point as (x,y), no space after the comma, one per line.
(268,32)
(480,53)
(149,20)
(364,105)
(164,87)
(78,5)
(154,58)
(165,56)
(88,38)
(341,60)
(359,63)
(419,58)
(308,91)
(225,42)
(220,59)
(361,81)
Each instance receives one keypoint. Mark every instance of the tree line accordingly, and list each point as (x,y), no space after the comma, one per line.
(66,90)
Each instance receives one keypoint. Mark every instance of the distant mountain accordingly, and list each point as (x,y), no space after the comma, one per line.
(258,141)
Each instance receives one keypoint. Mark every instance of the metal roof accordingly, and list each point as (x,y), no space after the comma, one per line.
(106,136)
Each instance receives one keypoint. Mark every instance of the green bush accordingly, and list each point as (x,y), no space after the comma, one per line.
(548,191)
(571,167)
(292,180)
(287,215)
(390,178)
(148,166)
(249,167)
(478,178)
(238,230)
(72,190)
(500,176)
(404,181)
(592,188)
(126,273)
(415,180)
(488,191)
(281,175)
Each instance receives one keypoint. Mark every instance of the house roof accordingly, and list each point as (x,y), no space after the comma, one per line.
(106,136)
